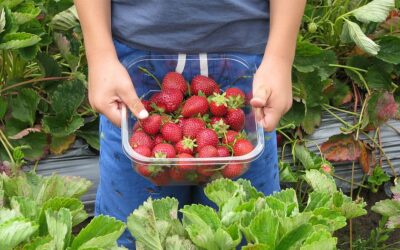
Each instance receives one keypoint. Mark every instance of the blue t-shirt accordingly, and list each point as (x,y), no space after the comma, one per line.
(192,26)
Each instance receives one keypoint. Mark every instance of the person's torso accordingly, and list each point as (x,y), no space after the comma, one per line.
(192,26)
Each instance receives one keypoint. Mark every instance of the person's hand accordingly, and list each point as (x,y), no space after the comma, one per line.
(272,92)
(109,86)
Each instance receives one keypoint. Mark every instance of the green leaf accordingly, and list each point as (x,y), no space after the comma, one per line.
(289,199)
(286,174)
(65,20)
(331,219)
(38,243)
(29,53)
(295,115)
(60,144)
(250,191)
(351,209)
(311,120)
(26,206)
(49,66)
(24,105)
(37,146)
(317,200)
(222,190)
(13,232)
(378,79)
(3,107)
(320,182)
(375,11)
(10,3)
(264,227)
(176,242)
(18,40)
(7,215)
(320,240)
(352,32)
(295,238)
(257,247)
(90,132)
(101,232)
(61,126)
(304,156)
(387,208)
(26,12)
(153,221)
(59,226)
(390,49)
(66,107)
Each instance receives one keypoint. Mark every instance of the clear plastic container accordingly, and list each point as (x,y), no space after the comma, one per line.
(227,71)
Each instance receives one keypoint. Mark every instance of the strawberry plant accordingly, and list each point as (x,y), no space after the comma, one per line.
(278,221)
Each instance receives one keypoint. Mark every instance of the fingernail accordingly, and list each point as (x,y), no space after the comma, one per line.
(143,114)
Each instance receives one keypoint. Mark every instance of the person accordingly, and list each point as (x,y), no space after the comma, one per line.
(260,31)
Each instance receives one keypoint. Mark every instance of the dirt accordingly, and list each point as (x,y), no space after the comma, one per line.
(362,226)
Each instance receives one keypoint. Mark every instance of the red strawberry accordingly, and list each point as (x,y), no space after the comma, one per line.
(183,165)
(161,179)
(208,151)
(156,102)
(147,105)
(203,84)
(174,80)
(223,151)
(141,138)
(143,170)
(181,122)
(152,124)
(176,174)
(171,99)
(216,119)
(171,132)
(218,105)
(163,150)
(205,171)
(186,146)
(207,137)
(220,127)
(232,170)
(230,137)
(195,105)
(143,150)
(242,147)
(236,97)
(235,119)
(192,126)
(158,139)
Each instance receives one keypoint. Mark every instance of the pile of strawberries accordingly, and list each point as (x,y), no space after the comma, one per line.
(185,121)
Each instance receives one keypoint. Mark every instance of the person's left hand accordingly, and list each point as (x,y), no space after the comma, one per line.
(272,92)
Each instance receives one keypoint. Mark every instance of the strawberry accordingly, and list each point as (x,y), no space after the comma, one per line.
(158,139)
(176,174)
(164,150)
(171,99)
(242,147)
(207,137)
(141,138)
(220,127)
(218,104)
(152,124)
(171,132)
(216,119)
(147,105)
(208,151)
(192,126)
(223,151)
(236,97)
(203,84)
(161,179)
(183,165)
(195,105)
(230,137)
(181,122)
(186,145)
(205,171)
(235,118)
(143,150)
(174,80)
(156,102)
(233,170)
(143,170)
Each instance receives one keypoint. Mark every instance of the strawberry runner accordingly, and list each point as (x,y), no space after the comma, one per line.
(121,189)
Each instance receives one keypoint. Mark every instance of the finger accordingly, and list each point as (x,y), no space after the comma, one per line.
(113,113)
(260,95)
(271,119)
(132,101)
(258,113)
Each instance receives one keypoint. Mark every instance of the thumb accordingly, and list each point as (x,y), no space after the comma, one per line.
(129,97)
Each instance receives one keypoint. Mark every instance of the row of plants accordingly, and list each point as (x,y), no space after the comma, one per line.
(40,213)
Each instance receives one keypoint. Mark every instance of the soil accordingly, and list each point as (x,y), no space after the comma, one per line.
(362,226)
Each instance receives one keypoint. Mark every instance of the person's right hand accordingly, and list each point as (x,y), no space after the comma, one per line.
(109,86)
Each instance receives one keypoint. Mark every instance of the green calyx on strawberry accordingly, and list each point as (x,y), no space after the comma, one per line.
(164,150)
(186,145)
(220,127)
(236,97)
(218,104)
(148,170)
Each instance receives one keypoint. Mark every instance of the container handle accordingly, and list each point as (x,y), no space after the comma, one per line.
(181,63)
(203,64)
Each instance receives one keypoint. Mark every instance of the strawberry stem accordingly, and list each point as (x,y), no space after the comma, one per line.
(144,70)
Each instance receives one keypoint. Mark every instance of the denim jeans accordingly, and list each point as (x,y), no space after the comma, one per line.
(121,190)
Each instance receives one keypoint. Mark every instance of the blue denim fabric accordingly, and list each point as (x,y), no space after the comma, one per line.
(121,190)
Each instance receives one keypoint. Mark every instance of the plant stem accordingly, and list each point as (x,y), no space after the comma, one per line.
(6,147)
(361,117)
(34,81)
(383,152)
(351,195)
(338,118)
(340,110)
(354,183)
(356,71)
(151,75)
